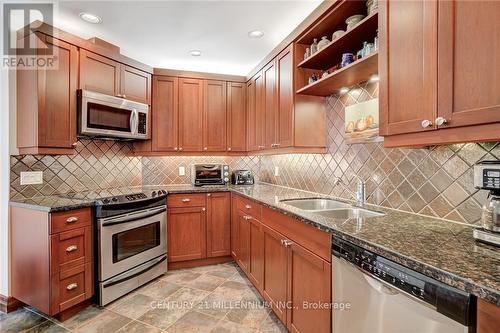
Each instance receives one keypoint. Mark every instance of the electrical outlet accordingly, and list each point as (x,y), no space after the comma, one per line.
(31,177)
(276,171)
(182,171)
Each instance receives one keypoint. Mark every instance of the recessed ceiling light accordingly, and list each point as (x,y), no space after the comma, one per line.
(91,18)
(255,34)
(344,90)
(195,53)
(374,78)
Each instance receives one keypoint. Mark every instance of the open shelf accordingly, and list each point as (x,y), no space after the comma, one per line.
(334,20)
(351,41)
(357,72)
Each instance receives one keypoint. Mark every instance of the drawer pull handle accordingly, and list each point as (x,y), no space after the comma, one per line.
(186,200)
(71,248)
(248,206)
(71,219)
(246,217)
(72,286)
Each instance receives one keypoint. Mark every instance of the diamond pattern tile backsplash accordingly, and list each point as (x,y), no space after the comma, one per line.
(98,164)
(437,181)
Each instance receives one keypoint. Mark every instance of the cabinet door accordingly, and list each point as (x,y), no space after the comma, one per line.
(190,115)
(469,74)
(313,288)
(284,62)
(243,240)
(236,117)
(186,234)
(252,116)
(270,104)
(99,74)
(488,317)
(256,254)
(275,271)
(165,113)
(214,116)
(57,108)
(135,85)
(234,229)
(407,66)
(218,224)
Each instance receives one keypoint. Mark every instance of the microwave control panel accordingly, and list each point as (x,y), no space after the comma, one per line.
(142,123)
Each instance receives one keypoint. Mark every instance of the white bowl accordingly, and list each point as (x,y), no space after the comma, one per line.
(353,20)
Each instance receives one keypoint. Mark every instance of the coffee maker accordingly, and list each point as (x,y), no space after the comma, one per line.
(487,177)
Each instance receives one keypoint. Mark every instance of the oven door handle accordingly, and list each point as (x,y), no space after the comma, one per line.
(133,217)
(133,273)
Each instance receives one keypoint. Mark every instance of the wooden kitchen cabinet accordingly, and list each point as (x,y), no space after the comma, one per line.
(106,76)
(218,224)
(243,237)
(214,115)
(198,226)
(433,89)
(57,251)
(488,317)
(190,115)
(165,113)
(255,113)
(46,102)
(275,272)
(285,111)
(270,104)
(236,117)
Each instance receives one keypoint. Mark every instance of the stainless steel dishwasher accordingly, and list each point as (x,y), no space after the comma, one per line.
(372,294)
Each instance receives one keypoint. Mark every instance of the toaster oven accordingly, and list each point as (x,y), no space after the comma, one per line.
(210,174)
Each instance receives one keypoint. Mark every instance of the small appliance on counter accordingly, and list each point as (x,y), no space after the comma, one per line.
(487,177)
(210,174)
(242,177)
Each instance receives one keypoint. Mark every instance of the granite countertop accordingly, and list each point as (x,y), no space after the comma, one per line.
(438,248)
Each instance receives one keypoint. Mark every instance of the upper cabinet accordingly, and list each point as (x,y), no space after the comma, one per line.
(436,87)
(165,114)
(46,102)
(190,115)
(279,120)
(106,76)
(214,115)
(236,117)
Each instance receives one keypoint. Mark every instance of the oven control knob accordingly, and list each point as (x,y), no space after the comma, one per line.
(114,199)
(153,194)
(106,201)
(226,179)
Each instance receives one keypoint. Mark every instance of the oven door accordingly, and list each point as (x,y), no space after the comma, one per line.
(111,117)
(129,240)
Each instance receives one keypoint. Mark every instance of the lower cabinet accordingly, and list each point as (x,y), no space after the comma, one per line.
(287,261)
(52,258)
(488,317)
(198,226)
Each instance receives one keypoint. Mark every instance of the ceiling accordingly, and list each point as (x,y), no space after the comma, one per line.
(161,33)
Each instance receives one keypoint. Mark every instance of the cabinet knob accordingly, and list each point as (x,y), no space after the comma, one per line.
(205,148)
(248,206)
(426,123)
(209,195)
(229,148)
(262,147)
(175,148)
(71,219)
(180,148)
(71,248)
(286,242)
(246,217)
(74,144)
(440,121)
(203,209)
(124,96)
(72,286)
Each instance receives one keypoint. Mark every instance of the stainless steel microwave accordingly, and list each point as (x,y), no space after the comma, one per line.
(106,116)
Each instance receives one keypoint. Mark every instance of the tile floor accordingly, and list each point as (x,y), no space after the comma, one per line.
(216,299)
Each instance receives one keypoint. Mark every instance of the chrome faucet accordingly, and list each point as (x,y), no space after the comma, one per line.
(360,194)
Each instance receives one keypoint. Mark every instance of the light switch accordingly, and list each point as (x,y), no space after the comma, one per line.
(31,177)
(276,171)
(182,171)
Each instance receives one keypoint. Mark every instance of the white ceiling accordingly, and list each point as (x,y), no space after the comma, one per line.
(161,33)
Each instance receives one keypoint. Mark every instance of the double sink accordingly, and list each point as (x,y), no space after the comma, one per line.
(331,208)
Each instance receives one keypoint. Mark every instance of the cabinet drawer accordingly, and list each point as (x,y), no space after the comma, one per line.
(72,219)
(72,287)
(249,207)
(315,240)
(187,200)
(71,248)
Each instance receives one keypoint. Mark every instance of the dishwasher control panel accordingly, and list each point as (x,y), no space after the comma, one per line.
(446,299)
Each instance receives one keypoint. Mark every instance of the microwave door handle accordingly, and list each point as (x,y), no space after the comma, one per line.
(136,119)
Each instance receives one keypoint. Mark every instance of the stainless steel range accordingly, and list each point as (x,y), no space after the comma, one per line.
(131,240)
